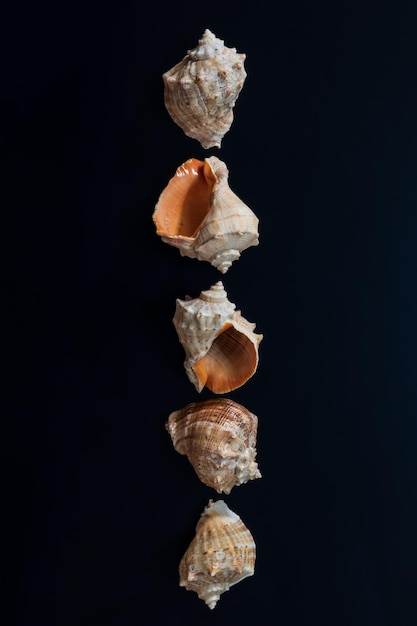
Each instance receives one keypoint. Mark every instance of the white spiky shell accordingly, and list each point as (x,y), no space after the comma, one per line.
(221,347)
(218,435)
(222,553)
(199,213)
(201,90)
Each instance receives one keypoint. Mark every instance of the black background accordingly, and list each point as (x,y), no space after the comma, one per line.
(98,506)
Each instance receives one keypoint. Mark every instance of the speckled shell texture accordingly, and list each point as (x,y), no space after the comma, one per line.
(218,436)
(222,553)
(198,213)
(221,347)
(200,91)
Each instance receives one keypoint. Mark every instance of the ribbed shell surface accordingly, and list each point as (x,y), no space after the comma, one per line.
(218,436)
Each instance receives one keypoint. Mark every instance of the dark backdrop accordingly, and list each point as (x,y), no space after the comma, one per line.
(98,506)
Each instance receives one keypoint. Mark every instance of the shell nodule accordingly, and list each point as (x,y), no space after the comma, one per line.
(222,553)
(198,213)
(218,436)
(201,90)
(221,347)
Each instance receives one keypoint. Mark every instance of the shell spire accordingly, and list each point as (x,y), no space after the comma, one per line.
(201,90)
(222,553)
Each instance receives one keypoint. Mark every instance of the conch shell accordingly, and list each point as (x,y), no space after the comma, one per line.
(222,553)
(221,347)
(200,91)
(218,436)
(198,213)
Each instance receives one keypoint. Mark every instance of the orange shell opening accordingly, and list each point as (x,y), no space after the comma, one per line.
(230,362)
(185,201)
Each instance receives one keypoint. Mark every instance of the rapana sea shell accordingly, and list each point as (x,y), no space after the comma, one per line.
(198,213)
(218,436)
(221,347)
(200,91)
(222,553)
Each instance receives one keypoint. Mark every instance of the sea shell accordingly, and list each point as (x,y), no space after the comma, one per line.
(198,213)
(200,91)
(218,436)
(221,347)
(222,553)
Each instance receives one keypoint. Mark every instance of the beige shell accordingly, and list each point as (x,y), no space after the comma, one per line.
(198,213)
(218,436)
(222,553)
(200,91)
(221,347)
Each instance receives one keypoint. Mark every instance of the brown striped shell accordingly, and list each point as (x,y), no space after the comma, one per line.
(218,436)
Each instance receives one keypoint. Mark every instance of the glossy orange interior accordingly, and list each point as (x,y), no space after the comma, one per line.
(185,201)
(229,363)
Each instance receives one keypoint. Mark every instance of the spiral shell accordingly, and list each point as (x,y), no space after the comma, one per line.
(218,436)
(198,213)
(222,553)
(200,91)
(221,347)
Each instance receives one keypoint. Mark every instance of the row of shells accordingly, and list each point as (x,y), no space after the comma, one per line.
(200,215)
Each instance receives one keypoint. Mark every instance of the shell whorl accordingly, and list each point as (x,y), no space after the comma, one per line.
(198,320)
(208,47)
(230,226)
(215,294)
